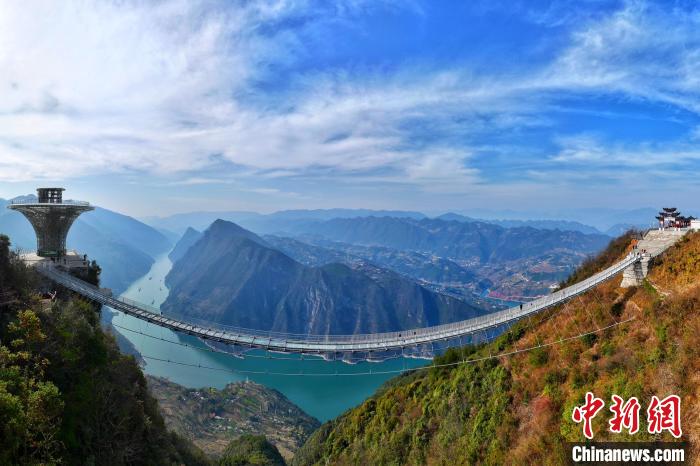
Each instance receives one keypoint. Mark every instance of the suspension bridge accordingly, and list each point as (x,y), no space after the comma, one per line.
(634,267)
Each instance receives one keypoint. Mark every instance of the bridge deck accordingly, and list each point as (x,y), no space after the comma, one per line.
(655,242)
(286,342)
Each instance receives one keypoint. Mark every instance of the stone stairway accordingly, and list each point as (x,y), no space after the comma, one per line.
(654,243)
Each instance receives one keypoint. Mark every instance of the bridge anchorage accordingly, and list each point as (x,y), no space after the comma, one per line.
(420,342)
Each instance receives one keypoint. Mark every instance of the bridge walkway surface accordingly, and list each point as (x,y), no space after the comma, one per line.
(376,342)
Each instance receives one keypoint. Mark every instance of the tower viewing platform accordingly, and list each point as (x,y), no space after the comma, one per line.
(51,217)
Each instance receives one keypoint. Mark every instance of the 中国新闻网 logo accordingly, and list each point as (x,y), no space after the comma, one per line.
(662,414)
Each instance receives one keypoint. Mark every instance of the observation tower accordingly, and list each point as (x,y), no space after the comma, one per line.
(51,218)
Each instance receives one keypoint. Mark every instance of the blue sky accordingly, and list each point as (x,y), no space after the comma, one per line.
(153,108)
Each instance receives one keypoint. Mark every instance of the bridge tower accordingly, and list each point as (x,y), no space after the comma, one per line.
(51,217)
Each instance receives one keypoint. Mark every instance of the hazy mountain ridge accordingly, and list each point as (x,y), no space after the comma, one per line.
(589,221)
(185,242)
(314,252)
(266,223)
(231,276)
(472,242)
(541,224)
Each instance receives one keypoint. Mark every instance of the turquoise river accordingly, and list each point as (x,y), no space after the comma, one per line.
(179,357)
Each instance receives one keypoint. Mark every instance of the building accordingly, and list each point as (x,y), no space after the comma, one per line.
(670,217)
(51,217)
(695,224)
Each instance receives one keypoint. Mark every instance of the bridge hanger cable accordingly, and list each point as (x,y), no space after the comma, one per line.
(372,372)
(242,355)
(481,336)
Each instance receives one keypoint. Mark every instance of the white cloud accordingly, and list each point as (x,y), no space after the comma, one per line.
(161,88)
(153,87)
(595,153)
(644,51)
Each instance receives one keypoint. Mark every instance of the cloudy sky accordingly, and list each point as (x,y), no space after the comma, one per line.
(179,105)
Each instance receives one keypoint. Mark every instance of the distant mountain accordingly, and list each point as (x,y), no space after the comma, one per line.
(563,225)
(179,223)
(232,276)
(327,214)
(466,241)
(171,236)
(601,218)
(419,266)
(452,217)
(285,220)
(622,228)
(121,263)
(190,237)
(128,230)
(124,247)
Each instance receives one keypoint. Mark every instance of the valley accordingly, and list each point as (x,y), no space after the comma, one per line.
(322,397)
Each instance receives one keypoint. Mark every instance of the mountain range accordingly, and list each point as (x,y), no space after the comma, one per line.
(266,223)
(232,276)
(473,242)
(313,251)
(563,225)
(285,221)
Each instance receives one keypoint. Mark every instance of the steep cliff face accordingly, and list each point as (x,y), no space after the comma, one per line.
(517,409)
(190,237)
(232,276)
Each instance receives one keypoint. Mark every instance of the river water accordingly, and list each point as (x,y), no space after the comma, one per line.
(323,397)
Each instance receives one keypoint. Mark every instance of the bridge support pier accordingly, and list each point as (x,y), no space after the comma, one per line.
(654,243)
(634,274)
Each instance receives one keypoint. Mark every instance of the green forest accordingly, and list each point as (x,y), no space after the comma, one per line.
(68,396)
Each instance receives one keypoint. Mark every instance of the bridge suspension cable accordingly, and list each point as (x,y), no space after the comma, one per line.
(423,339)
(362,373)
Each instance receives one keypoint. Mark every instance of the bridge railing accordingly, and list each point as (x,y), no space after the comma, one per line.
(421,335)
(19,202)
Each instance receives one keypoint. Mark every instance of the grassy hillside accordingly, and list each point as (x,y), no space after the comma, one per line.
(211,418)
(517,409)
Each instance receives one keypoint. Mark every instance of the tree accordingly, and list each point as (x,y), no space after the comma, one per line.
(251,450)
(30,407)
